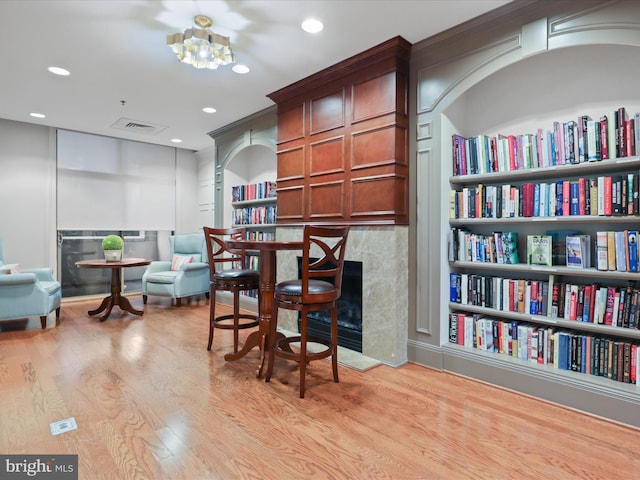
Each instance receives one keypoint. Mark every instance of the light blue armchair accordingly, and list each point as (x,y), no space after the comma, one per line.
(187,273)
(30,292)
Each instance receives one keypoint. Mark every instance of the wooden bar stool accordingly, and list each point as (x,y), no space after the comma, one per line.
(318,289)
(234,279)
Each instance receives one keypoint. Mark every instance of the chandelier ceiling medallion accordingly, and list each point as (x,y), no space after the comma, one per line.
(201,47)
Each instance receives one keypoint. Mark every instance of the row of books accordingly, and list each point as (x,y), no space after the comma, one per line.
(260,235)
(599,304)
(614,250)
(264,214)
(504,294)
(588,354)
(253,191)
(617,250)
(497,247)
(605,195)
(614,135)
(589,303)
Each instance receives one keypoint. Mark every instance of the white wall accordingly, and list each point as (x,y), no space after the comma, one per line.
(187,219)
(27,194)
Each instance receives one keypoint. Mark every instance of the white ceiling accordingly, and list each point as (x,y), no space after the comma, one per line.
(116,50)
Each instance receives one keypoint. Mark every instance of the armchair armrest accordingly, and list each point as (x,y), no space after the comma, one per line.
(158,266)
(189,267)
(42,274)
(17,279)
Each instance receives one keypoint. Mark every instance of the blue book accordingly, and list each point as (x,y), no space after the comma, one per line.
(574,199)
(453,287)
(564,351)
(559,198)
(632,241)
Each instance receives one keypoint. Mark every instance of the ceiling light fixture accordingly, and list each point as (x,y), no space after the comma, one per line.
(241,69)
(209,110)
(311,25)
(201,47)
(37,115)
(59,71)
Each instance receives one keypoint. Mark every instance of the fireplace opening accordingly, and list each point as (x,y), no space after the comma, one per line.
(349,310)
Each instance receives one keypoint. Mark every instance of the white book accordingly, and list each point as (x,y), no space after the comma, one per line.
(616,307)
(621,251)
(602,262)
(464,283)
(601,195)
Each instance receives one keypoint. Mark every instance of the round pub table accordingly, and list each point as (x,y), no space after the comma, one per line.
(267,269)
(116,297)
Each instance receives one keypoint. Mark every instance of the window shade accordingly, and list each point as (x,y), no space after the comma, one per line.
(108,183)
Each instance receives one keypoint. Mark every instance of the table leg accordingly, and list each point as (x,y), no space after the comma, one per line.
(107,302)
(125,304)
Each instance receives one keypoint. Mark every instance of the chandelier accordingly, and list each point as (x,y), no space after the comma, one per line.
(201,47)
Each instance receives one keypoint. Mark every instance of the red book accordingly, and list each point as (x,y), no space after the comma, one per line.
(608,183)
(608,312)
(527,199)
(582,195)
(511,139)
(566,198)
(634,362)
(629,141)
(604,138)
(573,302)
(586,311)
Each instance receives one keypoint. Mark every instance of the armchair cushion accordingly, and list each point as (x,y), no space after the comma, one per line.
(179,260)
(9,268)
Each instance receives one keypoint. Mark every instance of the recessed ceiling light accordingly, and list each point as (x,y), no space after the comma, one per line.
(37,115)
(59,71)
(239,68)
(176,140)
(209,110)
(312,25)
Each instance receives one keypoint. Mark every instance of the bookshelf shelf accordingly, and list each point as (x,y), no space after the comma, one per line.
(593,384)
(570,219)
(557,171)
(251,203)
(557,270)
(620,332)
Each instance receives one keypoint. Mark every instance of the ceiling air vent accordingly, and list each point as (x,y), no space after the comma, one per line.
(136,126)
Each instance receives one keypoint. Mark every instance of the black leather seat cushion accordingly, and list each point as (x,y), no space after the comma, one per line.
(237,274)
(294,287)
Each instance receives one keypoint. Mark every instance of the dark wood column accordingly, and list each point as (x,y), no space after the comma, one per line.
(343,141)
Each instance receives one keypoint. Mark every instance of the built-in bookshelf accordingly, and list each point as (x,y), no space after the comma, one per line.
(576,181)
(254,208)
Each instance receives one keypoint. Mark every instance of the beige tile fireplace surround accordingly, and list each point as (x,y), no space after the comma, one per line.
(383,251)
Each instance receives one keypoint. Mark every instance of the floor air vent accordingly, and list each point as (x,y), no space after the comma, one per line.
(138,127)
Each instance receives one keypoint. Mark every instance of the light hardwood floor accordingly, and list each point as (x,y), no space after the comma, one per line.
(152,403)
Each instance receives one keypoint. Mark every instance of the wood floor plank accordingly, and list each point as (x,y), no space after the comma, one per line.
(152,403)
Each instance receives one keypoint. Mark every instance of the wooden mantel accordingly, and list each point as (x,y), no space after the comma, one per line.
(343,141)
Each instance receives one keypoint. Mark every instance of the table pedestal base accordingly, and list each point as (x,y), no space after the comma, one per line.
(116,298)
(109,302)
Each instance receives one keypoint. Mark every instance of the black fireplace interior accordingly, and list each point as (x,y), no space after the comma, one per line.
(349,310)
